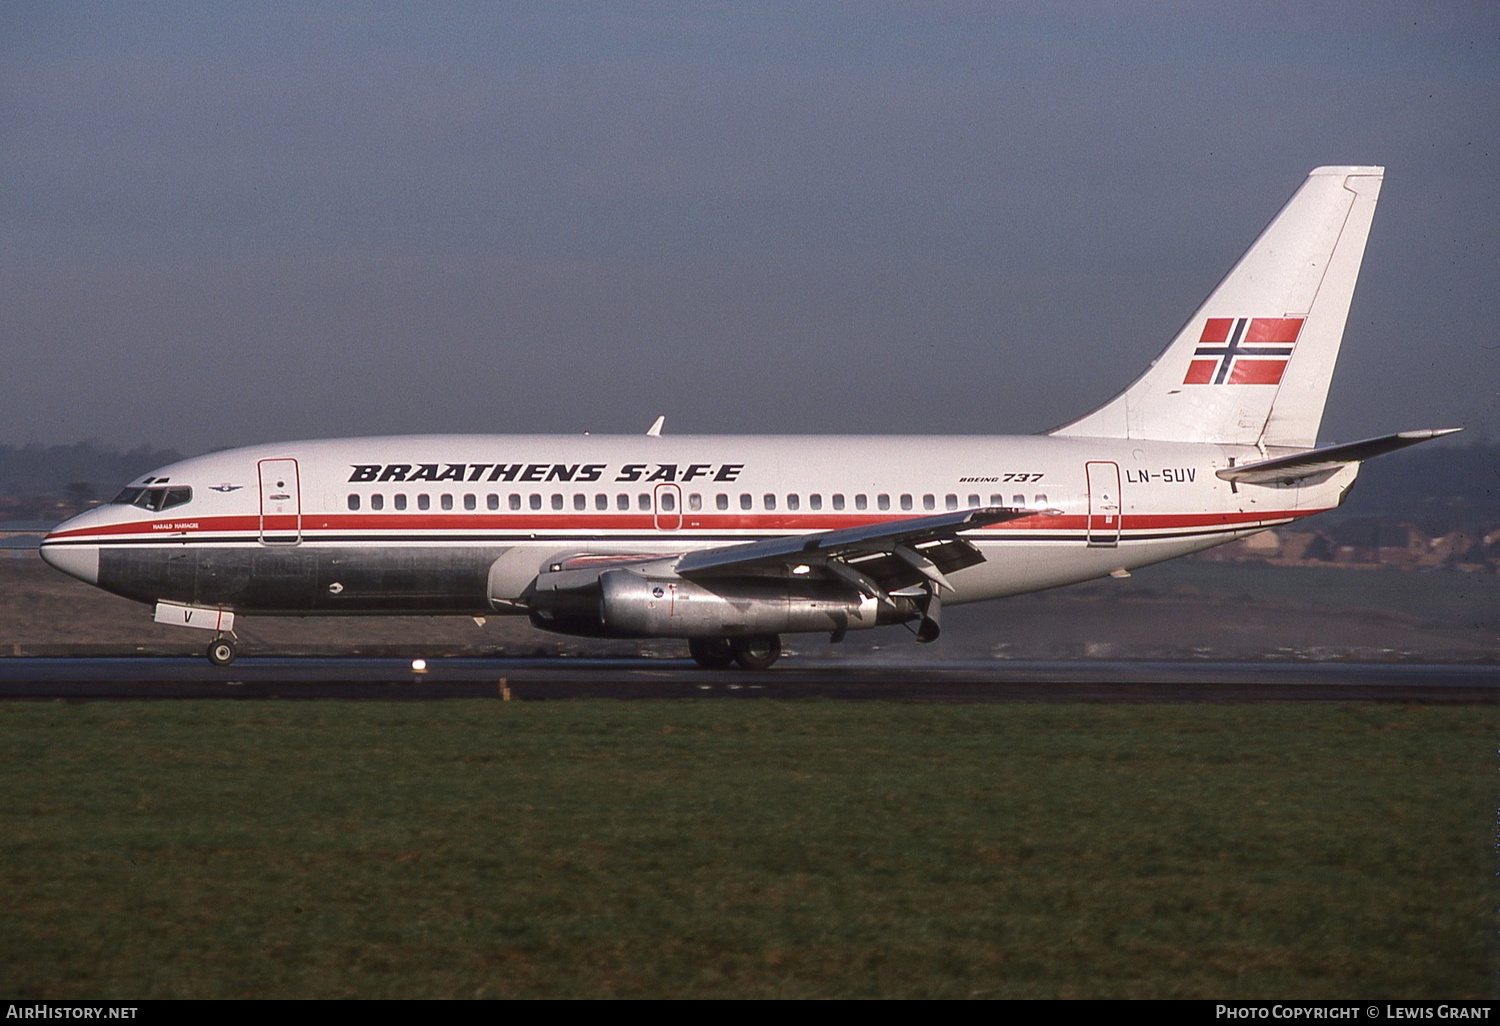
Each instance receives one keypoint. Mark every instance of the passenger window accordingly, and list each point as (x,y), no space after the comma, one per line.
(815,501)
(1019,500)
(973,502)
(601,501)
(470,502)
(1040,501)
(838,500)
(792,502)
(492,501)
(424,501)
(515,502)
(668,501)
(695,501)
(580,501)
(377,501)
(950,501)
(929,502)
(535,502)
(622,501)
(643,502)
(745,501)
(399,501)
(446,501)
(883,501)
(770,500)
(354,501)
(721,501)
(860,502)
(906,501)
(997,500)
(557,501)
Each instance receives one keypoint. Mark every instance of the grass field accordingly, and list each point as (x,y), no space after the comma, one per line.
(723,848)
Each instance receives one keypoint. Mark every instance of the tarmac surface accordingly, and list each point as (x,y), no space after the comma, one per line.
(79,679)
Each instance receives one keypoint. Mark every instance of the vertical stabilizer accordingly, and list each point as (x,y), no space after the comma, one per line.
(1254,363)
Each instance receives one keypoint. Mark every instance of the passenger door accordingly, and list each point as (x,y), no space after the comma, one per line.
(1104,504)
(280,502)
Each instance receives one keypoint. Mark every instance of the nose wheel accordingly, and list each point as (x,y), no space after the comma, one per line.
(221,651)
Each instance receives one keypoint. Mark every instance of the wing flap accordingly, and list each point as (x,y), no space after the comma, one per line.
(931,545)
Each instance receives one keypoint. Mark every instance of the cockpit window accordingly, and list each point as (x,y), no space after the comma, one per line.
(154,499)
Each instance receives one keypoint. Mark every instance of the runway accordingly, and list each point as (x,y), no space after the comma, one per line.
(636,679)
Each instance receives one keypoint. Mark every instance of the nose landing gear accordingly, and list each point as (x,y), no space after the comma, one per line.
(221,651)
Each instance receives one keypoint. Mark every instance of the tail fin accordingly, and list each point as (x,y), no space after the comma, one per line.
(1254,363)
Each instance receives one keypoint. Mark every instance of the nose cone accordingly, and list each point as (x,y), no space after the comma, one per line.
(69,549)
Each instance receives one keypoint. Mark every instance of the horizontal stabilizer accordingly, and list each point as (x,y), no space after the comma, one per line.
(1315,461)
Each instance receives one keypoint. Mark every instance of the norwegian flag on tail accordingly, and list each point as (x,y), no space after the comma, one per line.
(1243,351)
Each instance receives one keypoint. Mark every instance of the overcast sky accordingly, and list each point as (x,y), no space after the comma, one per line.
(238,222)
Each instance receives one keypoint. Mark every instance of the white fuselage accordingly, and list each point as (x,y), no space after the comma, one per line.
(419,524)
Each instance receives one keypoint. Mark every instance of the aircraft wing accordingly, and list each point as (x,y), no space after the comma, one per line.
(881,557)
(1330,457)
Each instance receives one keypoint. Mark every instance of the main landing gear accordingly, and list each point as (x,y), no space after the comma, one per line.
(753,653)
(221,651)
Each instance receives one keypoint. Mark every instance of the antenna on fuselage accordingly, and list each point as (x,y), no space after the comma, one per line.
(654,431)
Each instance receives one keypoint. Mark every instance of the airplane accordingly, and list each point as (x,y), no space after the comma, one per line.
(730,542)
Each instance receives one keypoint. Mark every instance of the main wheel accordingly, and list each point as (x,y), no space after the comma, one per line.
(758,653)
(711,653)
(221,651)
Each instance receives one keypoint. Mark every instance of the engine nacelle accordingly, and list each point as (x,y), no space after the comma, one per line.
(634,605)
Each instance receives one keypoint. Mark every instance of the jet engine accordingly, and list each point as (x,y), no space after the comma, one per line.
(635,605)
(641,596)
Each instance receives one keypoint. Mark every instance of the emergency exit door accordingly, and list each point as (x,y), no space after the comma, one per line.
(1104,504)
(280,502)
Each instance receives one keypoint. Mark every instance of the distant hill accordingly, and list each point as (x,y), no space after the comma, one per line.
(32,470)
(1453,483)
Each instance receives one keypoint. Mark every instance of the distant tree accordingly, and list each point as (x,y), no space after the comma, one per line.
(1318,549)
